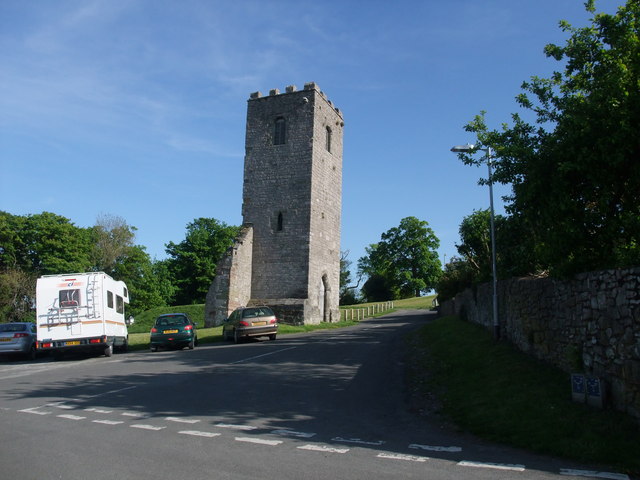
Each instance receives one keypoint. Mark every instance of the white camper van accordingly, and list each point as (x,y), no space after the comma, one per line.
(81,311)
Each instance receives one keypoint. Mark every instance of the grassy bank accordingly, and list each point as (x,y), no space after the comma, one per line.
(498,393)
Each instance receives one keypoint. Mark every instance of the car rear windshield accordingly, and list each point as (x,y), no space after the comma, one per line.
(257,312)
(172,320)
(13,327)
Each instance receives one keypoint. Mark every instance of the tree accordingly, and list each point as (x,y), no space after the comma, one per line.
(575,175)
(192,262)
(405,261)
(149,283)
(113,240)
(347,291)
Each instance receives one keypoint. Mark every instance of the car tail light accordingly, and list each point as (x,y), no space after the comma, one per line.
(95,340)
(154,330)
(243,323)
(188,327)
(20,335)
(273,321)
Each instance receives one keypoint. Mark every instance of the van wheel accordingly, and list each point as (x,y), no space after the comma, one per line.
(272,336)
(108,350)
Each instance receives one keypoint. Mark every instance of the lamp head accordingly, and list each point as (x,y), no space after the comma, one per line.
(463,148)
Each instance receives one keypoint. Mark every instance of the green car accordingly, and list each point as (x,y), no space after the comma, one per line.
(174,330)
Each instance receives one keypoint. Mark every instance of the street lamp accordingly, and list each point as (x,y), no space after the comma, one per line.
(470,149)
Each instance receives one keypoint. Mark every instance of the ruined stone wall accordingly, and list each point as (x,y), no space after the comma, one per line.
(589,324)
(231,287)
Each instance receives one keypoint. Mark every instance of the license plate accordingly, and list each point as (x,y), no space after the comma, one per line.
(5,339)
(171,331)
(258,323)
(73,342)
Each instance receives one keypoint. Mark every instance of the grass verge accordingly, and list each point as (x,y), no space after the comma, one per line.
(498,393)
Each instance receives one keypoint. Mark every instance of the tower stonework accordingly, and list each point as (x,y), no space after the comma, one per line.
(292,201)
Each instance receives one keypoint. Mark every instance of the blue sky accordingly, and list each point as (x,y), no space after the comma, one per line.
(137,108)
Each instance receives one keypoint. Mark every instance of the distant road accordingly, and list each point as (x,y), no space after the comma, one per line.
(329,404)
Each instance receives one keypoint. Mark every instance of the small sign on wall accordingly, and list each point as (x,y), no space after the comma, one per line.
(588,389)
(578,388)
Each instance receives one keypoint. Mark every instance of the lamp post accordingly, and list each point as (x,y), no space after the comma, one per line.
(470,149)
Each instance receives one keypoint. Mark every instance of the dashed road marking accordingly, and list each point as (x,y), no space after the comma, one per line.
(495,466)
(358,441)
(593,474)
(108,422)
(97,410)
(146,427)
(399,456)
(198,433)
(71,417)
(182,420)
(323,448)
(34,410)
(235,427)
(260,441)
(292,433)
(432,448)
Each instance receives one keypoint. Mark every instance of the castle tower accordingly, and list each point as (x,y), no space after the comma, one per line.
(292,200)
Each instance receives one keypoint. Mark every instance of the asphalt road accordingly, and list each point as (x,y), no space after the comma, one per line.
(329,404)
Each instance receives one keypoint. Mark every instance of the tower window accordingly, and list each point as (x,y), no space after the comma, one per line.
(279,131)
(279,222)
(328,139)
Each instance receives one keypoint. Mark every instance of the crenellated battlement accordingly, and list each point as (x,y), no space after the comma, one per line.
(293,89)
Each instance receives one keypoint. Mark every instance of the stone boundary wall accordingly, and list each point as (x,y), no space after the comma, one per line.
(588,324)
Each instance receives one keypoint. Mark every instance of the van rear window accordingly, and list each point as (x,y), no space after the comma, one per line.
(69,298)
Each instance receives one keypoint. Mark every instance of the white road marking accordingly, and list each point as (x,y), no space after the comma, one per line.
(34,410)
(108,422)
(263,355)
(235,427)
(199,433)
(259,441)
(71,417)
(291,433)
(357,441)
(109,392)
(63,406)
(97,410)
(146,427)
(495,466)
(182,420)
(134,414)
(588,473)
(323,448)
(398,456)
(432,448)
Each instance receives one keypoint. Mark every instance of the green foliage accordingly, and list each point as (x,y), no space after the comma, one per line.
(575,175)
(192,262)
(403,264)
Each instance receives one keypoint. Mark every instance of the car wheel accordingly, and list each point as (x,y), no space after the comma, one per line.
(31,354)
(154,349)
(272,336)
(108,350)
(192,344)
(236,337)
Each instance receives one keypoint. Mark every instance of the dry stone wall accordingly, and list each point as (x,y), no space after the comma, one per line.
(588,324)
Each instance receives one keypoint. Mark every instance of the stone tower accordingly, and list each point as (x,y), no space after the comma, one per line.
(288,253)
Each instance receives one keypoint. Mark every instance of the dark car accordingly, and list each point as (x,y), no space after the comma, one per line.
(18,338)
(250,322)
(174,330)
